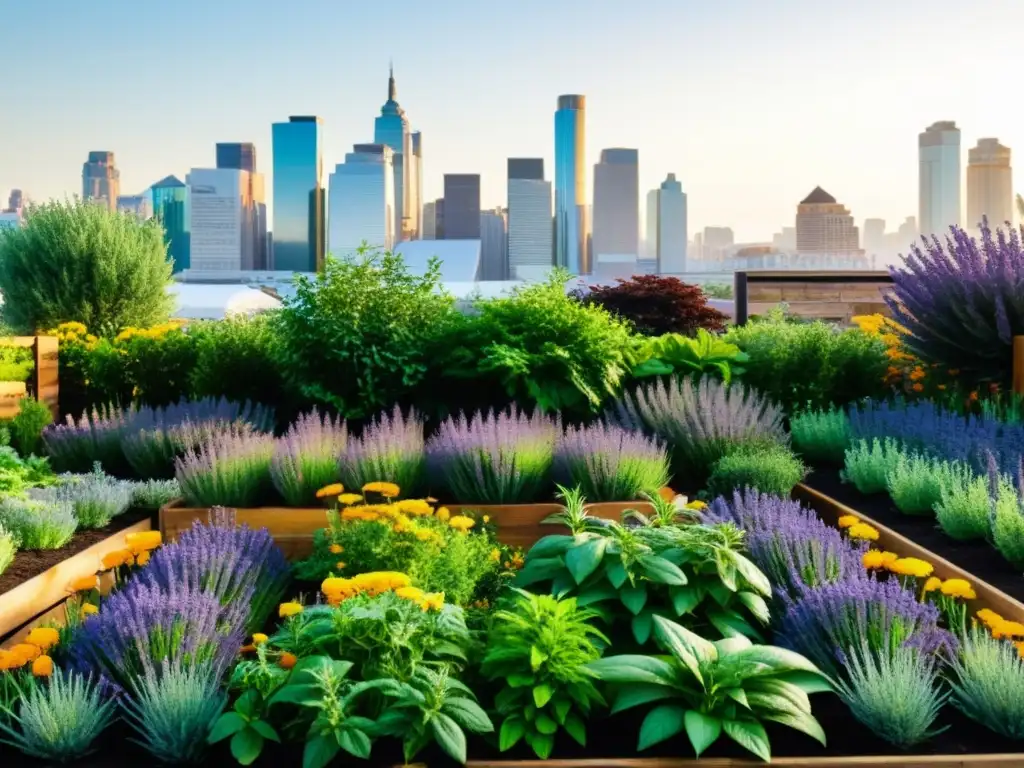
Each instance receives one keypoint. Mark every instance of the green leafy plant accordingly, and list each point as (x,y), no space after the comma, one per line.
(38,524)
(18,474)
(962,510)
(987,683)
(16,363)
(153,494)
(674,354)
(28,424)
(821,436)
(867,465)
(770,469)
(915,482)
(706,689)
(8,548)
(1007,523)
(540,646)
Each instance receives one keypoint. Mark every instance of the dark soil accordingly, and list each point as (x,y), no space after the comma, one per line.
(976,557)
(31,562)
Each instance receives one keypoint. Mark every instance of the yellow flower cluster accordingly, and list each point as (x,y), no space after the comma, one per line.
(904,369)
(136,550)
(960,588)
(428,601)
(387,490)
(875,559)
(862,531)
(156,332)
(337,589)
(286,610)
(911,566)
(1002,629)
(846,521)
(32,651)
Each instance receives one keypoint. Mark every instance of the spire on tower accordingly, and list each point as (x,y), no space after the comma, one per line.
(391,80)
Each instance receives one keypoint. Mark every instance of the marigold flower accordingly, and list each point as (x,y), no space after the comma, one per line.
(84,584)
(259,638)
(973,396)
(863,531)
(425,534)
(336,549)
(462,523)
(377,582)
(349,498)
(495,555)
(88,609)
(931,585)
(330,491)
(143,541)
(433,601)
(1007,629)
(26,652)
(42,667)
(10,660)
(359,513)
(666,494)
(443,514)
(847,520)
(911,566)
(958,588)
(387,490)
(417,507)
(287,660)
(340,565)
(43,638)
(142,558)
(284,610)
(874,559)
(485,519)
(988,617)
(696,505)
(117,558)
(410,593)
(918,387)
(335,585)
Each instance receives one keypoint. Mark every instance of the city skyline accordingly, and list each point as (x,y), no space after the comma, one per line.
(702,93)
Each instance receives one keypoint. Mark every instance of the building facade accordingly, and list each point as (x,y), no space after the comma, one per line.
(494,244)
(874,237)
(530,255)
(938,149)
(362,201)
(439,219)
(461,206)
(572,231)
(824,226)
(137,205)
(171,209)
(101,181)
(392,128)
(989,184)
(416,184)
(224,221)
(616,225)
(716,242)
(240,156)
(428,231)
(15,202)
(299,195)
(671,233)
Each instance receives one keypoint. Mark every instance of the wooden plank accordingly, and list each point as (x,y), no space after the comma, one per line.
(45,376)
(905,761)
(50,588)
(1018,364)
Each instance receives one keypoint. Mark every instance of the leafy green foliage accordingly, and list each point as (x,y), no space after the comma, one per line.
(153,494)
(821,436)
(770,469)
(540,646)
(8,548)
(706,689)
(19,474)
(77,261)
(987,683)
(28,424)
(676,354)
(1007,523)
(867,465)
(962,510)
(16,363)
(38,524)
(915,482)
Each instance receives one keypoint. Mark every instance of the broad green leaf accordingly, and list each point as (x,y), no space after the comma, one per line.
(642,626)
(308,666)
(633,668)
(468,714)
(739,696)
(808,682)
(355,742)
(519,680)
(449,736)
(652,367)
(801,721)
(542,694)
(248,704)
(596,593)
(662,571)
(536,658)
(512,731)
(702,730)
(265,729)
(540,743)
(753,575)
(562,708)
(756,605)
(751,736)
(562,584)
(634,597)
(670,632)
(541,569)
(731,645)
(545,724)
(779,659)
(731,624)
(227,724)
(616,573)
(638,694)
(246,746)
(574,727)
(662,722)
(304,695)
(550,546)
(793,694)
(583,559)
(685,599)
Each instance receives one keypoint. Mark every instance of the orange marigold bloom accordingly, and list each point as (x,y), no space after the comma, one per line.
(42,667)
(26,652)
(336,549)
(330,491)
(117,558)
(84,584)
(387,490)
(143,541)
(287,660)
(43,638)
(918,387)
(289,609)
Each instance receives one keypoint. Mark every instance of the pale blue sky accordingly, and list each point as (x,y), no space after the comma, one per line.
(750,102)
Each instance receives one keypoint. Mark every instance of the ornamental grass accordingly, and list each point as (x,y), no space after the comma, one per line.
(306,458)
(821,436)
(867,465)
(76,446)
(390,446)
(229,469)
(987,682)
(610,463)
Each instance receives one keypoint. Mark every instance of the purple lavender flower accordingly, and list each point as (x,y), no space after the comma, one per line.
(306,458)
(610,463)
(390,449)
(229,469)
(76,446)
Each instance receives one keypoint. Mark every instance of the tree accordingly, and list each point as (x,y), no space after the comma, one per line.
(657,305)
(77,261)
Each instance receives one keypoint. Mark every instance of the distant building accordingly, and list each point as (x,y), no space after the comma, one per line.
(715,242)
(171,209)
(392,128)
(572,230)
(460,259)
(362,201)
(416,185)
(494,244)
(530,255)
(824,226)
(989,184)
(616,223)
(429,229)
(667,204)
(224,219)
(462,206)
(240,156)
(10,220)
(299,199)
(16,202)
(439,219)
(135,204)
(101,181)
(874,237)
(939,178)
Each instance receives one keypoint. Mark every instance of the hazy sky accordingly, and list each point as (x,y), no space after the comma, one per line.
(750,102)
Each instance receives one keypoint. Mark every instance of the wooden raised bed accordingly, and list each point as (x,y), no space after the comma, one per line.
(42,382)
(42,597)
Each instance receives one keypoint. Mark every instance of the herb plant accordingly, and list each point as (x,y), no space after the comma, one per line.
(227,469)
(28,424)
(772,469)
(987,682)
(38,524)
(821,436)
(962,510)
(391,448)
(306,458)
(673,354)
(868,465)
(8,548)
(95,499)
(1006,520)
(153,494)
(609,463)
(915,482)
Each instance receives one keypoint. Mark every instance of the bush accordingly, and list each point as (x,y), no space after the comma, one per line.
(38,524)
(1007,522)
(962,510)
(821,436)
(658,305)
(82,262)
(772,469)
(28,425)
(157,362)
(868,465)
(915,482)
(810,365)
(95,499)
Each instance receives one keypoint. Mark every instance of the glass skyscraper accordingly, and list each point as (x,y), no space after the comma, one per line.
(298,195)
(171,207)
(362,201)
(572,231)
(392,128)
(241,156)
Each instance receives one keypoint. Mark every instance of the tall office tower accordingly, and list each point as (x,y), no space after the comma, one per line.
(648,264)
(989,184)
(362,201)
(439,219)
(824,226)
(241,156)
(261,258)
(908,230)
(16,202)
(171,209)
(392,128)
(461,206)
(298,195)
(616,228)
(494,244)
(874,237)
(101,181)
(938,150)
(135,204)
(224,220)
(572,232)
(716,241)
(529,219)
(671,227)
(416,204)
(429,229)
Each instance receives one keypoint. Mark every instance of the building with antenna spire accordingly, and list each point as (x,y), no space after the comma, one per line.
(391,128)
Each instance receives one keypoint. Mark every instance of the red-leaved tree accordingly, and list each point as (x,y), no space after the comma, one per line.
(657,305)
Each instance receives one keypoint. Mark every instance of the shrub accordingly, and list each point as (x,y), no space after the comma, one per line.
(867,465)
(38,524)
(153,494)
(657,305)
(76,446)
(306,457)
(353,336)
(82,262)
(810,365)
(961,303)
(609,463)
(8,548)
(95,499)
(987,683)
(154,361)
(821,436)
(493,458)
(1007,518)
(772,469)
(962,510)
(915,482)
(231,469)
(391,448)
(28,424)
(701,422)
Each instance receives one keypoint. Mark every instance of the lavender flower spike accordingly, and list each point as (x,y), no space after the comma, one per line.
(306,458)
(610,463)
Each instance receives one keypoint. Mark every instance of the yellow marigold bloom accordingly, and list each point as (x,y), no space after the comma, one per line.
(9,661)
(337,586)
(417,507)
(349,499)
(84,584)
(890,339)
(26,652)
(284,610)
(697,505)
(410,593)
(359,513)
(259,638)
(43,638)
(873,559)
(1007,629)
(989,617)
(495,555)
(911,566)
(377,582)
(433,601)
(340,565)
(958,588)
(143,541)
(142,558)
(42,667)
(330,491)
(443,514)
(117,558)
(931,585)
(425,534)
(486,519)
(863,531)
(462,523)
(88,609)
(287,660)
(847,520)
(336,549)
(387,490)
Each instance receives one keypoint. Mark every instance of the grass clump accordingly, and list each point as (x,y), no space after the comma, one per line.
(771,469)
(153,494)
(867,465)
(915,482)
(963,507)
(987,683)
(821,436)
(38,524)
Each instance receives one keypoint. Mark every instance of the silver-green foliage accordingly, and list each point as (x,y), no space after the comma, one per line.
(38,524)
(895,693)
(153,494)
(8,547)
(58,721)
(915,482)
(963,507)
(95,499)
(821,436)
(174,712)
(987,682)
(867,465)
(1007,523)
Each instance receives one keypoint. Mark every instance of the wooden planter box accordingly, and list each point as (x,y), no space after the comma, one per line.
(42,382)
(41,598)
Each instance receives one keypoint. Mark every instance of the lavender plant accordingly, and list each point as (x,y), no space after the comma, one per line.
(8,548)
(987,683)
(1006,516)
(391,449)
(609,463)
(915,482)
(76,446)
(962,510)
(38,524)
(96,499)
(228,469)
(769,468)
(153,494)
(701,422)
(59,722)
(306,457)
(962,304)
(821,436)
(868,464)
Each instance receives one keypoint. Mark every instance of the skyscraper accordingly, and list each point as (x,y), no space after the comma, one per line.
(461,206)
(669,226)
(572,233)
(989,184)
(362,201)
(392,128)
(530,255)
(101,181)
(616,204)
(938,178)
(241,156)
(439,219)
(494,245)
(224,219)
(429,229)
(298,195)
(416,203)
(824,226)
(135,204)
(874,236)
(170,207)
